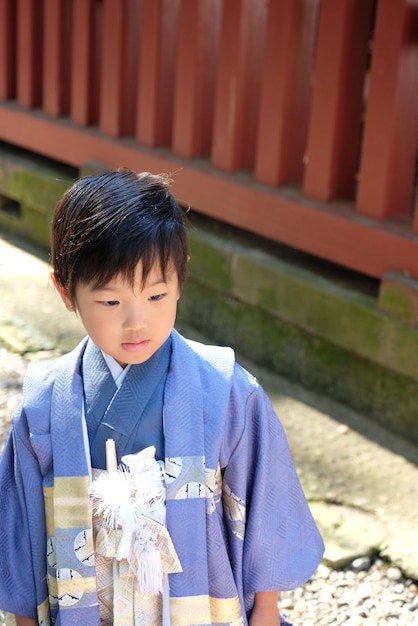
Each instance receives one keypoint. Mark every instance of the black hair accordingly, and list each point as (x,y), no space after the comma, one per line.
(105,224)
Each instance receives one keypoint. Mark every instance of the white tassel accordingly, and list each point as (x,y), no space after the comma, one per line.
(149,570)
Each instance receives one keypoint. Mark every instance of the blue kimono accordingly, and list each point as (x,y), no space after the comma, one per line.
(235,510)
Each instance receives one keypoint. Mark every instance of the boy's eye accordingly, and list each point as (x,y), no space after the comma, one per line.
(159,296)
(110,302)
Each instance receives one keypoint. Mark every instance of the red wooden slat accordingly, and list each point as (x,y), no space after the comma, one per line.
(238,84)
(391,127)
(195,77)
(336,117)
(29,53)
(114,108)
(130,65)
(56,57)
(7,49)
(286,91)
(84,72)
(119,67)
(110,115)
(290,218)
(157,53)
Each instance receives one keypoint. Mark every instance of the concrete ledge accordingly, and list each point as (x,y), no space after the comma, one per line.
(323,309)
(332,339)
(398,296)
(29,189)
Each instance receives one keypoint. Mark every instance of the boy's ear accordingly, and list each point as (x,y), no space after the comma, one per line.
(63,294)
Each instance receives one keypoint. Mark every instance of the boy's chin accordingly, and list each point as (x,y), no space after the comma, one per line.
(132,359)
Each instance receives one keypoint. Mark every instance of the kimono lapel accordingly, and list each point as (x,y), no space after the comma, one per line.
(99,387)
(189,409)
(71,544)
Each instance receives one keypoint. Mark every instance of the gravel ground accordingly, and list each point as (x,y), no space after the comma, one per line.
(369,592)
(366,593)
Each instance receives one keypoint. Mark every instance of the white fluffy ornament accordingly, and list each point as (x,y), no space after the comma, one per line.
(131,501)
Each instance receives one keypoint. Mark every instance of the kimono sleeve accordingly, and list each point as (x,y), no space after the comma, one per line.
(21,500)
(279,546)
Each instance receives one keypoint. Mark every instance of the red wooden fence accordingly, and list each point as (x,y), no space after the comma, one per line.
(293,119)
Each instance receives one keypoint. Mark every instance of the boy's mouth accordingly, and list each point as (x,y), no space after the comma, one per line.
(135,346)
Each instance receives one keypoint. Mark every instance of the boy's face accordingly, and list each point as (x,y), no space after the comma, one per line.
(129,324)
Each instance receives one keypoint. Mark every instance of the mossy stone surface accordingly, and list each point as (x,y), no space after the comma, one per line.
(210,261)
(398,296)
(35,185)
(397,303)
(292,352)
(307,301)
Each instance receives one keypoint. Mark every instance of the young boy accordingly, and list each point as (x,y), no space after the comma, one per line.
(236,517)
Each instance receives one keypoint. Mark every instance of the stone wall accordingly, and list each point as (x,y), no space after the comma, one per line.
(325,331)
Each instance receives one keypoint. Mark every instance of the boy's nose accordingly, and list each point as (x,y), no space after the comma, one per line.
(134,319)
